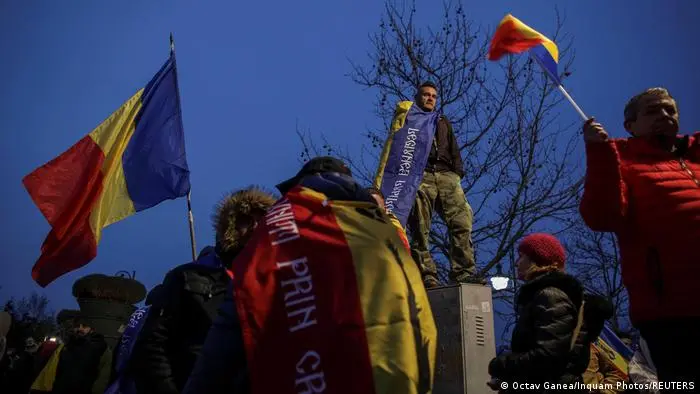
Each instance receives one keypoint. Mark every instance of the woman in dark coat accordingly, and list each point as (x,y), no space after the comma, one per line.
(544,353)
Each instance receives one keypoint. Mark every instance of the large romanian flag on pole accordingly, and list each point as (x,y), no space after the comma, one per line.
(132,161)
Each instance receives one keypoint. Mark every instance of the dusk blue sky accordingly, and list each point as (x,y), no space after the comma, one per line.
(248,73)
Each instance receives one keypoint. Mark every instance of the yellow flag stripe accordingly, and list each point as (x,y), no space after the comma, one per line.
(396,124)
(112,136)
(399,322)
(44,381)
(530,33)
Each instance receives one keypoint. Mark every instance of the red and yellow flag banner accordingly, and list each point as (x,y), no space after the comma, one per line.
(330,301)
(512,36)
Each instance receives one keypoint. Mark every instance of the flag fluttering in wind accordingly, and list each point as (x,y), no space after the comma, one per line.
(513,36)
(132,161)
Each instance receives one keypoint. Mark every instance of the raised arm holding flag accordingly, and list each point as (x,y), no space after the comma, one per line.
(646,190)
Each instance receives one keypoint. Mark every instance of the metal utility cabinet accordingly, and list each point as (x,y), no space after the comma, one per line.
(464,318)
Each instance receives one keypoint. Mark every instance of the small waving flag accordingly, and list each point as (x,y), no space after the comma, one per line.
(132,161)
(513,36)
(618,353)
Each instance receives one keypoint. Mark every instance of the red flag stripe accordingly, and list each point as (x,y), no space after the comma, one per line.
(65,190)
(309,332)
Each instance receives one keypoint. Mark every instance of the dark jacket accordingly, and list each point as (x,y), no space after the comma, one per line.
(19,373)
(541,342)
(445,155)
(222,367)
(595,312)
(183,311)
(176,327)
(81,365)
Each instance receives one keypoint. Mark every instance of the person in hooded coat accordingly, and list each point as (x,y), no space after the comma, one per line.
(177,324)
(551,339)
(223,366)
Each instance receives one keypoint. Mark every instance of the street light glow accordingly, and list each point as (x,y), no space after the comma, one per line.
(499,281)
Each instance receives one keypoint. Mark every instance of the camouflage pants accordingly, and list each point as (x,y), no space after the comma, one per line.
(442,191)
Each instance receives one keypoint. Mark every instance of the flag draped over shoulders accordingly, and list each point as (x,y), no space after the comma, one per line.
(132,161)
(330,299)
(404,157)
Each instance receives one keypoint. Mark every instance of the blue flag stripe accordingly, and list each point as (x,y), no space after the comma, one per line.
(408,156)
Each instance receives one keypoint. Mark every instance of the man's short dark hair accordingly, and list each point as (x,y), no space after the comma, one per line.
(427,84)
(632,107)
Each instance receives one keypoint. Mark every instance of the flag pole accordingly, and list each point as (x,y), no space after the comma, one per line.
(562,90)
(571,100)
(190,216)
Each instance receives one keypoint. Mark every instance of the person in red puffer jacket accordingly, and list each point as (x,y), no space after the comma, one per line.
(646,189)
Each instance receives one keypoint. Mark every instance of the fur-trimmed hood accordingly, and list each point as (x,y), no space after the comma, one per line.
(236,207)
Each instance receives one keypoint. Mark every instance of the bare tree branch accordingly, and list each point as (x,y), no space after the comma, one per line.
(594,258)
(521,171)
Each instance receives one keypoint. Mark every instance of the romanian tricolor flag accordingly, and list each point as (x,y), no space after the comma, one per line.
(131,162)
(619,354)
(330,301)
(513,36)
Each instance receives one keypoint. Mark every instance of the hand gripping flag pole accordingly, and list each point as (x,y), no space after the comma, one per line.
(190,216)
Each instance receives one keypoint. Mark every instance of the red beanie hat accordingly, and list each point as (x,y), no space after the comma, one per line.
(543,249)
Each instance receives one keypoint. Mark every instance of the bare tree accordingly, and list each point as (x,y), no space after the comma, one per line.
(594,259)
(517,152)
(31,316)
(35,306)
(521,171)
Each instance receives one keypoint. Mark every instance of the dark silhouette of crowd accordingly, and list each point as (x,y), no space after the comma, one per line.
(203,331)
